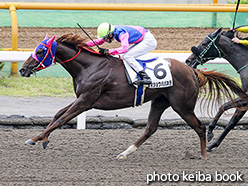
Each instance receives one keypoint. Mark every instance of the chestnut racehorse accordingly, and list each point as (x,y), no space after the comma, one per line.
(100,82)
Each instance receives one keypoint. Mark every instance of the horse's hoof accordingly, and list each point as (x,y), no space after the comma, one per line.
(121,157)
(30,142)
(204,157)
(209,149)
(210,136)
(45,144)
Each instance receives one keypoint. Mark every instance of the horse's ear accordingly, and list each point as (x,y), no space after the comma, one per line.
(219,30)
(50,41)
(46,36)
(216,32)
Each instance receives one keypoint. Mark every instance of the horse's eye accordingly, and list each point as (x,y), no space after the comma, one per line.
(40,53)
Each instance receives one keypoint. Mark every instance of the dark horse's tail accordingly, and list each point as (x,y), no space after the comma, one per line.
(219,86)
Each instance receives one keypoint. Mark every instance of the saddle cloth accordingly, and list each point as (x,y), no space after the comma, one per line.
(157,69)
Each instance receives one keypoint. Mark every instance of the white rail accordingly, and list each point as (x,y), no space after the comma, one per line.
(21,56)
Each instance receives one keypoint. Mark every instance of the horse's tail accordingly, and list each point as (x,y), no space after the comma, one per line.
(220,86)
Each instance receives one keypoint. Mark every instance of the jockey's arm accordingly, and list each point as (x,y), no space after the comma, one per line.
(243,42)
(243,29)
(97,41)
(124,45)
(239,41)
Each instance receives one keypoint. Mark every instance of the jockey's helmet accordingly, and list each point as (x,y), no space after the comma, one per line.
(104,29)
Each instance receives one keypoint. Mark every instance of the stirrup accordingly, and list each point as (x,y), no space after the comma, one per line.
(143,81)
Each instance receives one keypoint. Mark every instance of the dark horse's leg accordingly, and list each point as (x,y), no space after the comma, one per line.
(213,123)
(232,123)
(228,105)
(158,106)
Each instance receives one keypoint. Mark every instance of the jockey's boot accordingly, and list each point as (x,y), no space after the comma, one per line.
(145,79)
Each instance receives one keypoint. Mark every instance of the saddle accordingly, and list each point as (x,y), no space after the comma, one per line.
(158,69)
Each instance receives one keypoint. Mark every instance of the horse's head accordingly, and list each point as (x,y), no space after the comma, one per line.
(42,57)
(206,50)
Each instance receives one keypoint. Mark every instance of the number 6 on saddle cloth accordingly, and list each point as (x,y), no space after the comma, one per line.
(158,69)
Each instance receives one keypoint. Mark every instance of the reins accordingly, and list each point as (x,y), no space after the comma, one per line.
(238,71)
(68,60)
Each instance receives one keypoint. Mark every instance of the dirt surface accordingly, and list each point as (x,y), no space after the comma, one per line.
(88,157)
(167,38)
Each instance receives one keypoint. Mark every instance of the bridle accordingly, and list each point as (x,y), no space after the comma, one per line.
(203,59)
(202,54)
(49,52)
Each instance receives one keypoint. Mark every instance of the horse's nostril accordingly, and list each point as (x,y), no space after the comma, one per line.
(187,61)
(22,70)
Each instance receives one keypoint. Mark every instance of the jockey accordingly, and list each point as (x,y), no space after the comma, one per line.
(237,40)
(141,39)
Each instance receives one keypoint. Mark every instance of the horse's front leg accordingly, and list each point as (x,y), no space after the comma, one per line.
(232,123)
(157,108)
(75,109)
(213,123)
(45,138)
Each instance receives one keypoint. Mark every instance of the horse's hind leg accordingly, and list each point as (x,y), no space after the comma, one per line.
(158,106)
(228,105)
(189,116)
(232,123)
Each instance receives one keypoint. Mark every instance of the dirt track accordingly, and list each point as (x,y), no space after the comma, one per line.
(77,157)
(168,38)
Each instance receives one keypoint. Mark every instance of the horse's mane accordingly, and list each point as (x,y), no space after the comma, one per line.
(229,34)
(73,40)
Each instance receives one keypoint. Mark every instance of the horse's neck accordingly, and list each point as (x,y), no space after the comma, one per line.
(75,66)
(235,54)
